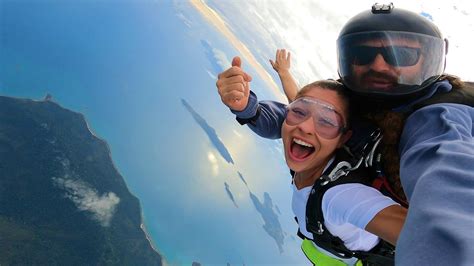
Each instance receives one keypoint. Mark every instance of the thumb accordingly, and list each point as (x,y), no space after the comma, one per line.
(236,61)
(272,63)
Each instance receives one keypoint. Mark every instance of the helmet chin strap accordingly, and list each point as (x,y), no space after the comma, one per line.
(446,47)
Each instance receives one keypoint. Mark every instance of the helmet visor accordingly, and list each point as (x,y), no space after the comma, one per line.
(389,63)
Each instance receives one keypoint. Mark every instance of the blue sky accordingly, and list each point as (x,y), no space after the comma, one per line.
(143,73)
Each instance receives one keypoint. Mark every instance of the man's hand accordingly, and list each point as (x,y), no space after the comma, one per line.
(282,66)
(282,62)
(233,86)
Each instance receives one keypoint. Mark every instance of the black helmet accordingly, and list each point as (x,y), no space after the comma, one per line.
(411,46)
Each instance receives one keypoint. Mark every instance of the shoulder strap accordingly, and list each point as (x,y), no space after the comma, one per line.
(364,148)
(314,214)
(315,219)
(461,95)
(363,143)
(382,184)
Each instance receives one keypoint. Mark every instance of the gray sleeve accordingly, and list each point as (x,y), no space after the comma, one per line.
(437,173)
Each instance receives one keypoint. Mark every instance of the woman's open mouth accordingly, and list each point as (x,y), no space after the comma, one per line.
(300,150)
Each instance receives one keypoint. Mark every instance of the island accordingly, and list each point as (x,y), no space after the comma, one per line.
(62,200)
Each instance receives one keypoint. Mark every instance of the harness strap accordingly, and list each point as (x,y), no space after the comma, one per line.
(460,95)
(315,219)
(320,259)
(381,183)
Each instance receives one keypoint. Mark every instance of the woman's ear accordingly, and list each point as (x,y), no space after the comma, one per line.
(345,137)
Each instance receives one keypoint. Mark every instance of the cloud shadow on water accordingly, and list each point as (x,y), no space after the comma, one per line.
(211,133)
(212,57)
(271,223)
(229,193)
(243,179)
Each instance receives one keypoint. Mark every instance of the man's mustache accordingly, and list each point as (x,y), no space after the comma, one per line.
(379,75)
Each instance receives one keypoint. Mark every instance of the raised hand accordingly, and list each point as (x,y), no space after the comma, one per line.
(233,86)
(282,66)
(282,61)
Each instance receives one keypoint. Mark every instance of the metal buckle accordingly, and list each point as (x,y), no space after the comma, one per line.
(370,156)
(342,168)
(372,144)
(382,8)
(320,229)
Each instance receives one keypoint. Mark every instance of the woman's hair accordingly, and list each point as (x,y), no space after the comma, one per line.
(455,81)
(333,85)
(391,124)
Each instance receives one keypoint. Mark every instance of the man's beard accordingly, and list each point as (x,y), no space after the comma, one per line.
(386,78)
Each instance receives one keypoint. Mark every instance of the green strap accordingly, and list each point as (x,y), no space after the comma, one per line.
(320,259)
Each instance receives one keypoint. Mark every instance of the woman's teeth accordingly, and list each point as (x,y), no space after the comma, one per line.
(302,143)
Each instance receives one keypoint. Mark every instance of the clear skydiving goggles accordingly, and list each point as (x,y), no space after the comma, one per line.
(328,122)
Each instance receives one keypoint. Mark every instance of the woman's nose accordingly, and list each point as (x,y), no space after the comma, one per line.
(307,126)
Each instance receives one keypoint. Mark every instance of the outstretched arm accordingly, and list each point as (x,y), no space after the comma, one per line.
(282,66)
(264,118)
(388,223)
(437,173)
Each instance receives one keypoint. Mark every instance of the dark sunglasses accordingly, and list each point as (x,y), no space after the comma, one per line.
(397,56)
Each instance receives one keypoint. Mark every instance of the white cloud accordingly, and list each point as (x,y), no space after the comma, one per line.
(213,77)
(309,29)
(86,198)
(221,58)
(184,19)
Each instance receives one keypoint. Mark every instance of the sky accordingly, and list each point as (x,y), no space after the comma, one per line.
(310,36)
(143,73)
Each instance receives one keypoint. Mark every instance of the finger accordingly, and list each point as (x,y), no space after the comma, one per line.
(247,77)
(236,61)
(272,63)
(236,79)
(277,54)
(232,97)
(288,57)
(246,89)
(240,79)
(235,87)
(226,79)
(236,92)
(232,71)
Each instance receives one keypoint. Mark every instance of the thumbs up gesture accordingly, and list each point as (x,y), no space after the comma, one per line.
(233,86)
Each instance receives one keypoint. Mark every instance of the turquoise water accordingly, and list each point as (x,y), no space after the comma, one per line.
(128,66)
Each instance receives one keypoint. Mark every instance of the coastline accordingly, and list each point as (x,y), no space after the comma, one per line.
(109,151)
(150,240)
(142,224)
